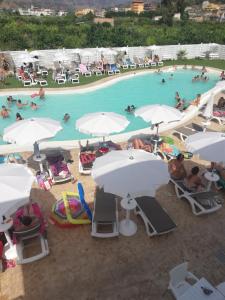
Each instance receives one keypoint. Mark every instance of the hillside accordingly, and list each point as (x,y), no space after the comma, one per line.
(64,5)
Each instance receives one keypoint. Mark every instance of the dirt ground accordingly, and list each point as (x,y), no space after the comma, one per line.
(82,267)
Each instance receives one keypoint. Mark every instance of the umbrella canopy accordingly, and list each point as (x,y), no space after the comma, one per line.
(158,113)
(61,56)
(35,53)
(209,145)
(101,123)
(135,172)
(153,47)
(29,131)
(15,185)
(208,111)
(26,58)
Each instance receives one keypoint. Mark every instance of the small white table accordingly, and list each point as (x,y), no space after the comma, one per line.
(196,292)
(127,226)
(211,177)
(40,159)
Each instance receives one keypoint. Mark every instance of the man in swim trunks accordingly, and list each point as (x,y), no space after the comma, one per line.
(176,167)
(20,105)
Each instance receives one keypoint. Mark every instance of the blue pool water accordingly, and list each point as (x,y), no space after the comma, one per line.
(138,90)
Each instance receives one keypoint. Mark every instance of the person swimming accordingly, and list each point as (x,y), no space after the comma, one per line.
(4,112)
(66,117)
(18,117)
(163,81)
(10,100)
(20,105)
(34,106)
(130,108)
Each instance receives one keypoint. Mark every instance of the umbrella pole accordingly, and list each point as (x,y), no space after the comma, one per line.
(127,226)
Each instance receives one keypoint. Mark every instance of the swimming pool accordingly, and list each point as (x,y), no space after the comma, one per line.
(138,90)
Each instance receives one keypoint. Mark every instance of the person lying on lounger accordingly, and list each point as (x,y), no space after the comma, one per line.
(139,144)
(193,181)
(176,167)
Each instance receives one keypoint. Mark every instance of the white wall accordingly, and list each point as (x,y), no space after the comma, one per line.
(46,57)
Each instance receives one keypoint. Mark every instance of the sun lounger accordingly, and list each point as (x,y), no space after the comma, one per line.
(146,64)
(201,202)
(137,62)
(131,64)
(115,69)
(184,131)
(105,216)
(156,220)
(58,168)
(27,236)
(85,162)
(84,71)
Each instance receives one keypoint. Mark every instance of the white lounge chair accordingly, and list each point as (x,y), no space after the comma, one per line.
(178,284)
(201,202)
(155,218)
(184,131)
(105,222)
(25,238)
(138,62)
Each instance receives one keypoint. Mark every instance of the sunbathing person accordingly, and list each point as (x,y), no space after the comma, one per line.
(193,181)
(139,144)
(176,167)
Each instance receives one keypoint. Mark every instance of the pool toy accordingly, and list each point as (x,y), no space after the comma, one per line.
(71,210)
(34,95)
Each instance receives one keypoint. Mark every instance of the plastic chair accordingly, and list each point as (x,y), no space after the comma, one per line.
(178,284)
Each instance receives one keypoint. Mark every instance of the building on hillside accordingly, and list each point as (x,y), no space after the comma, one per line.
(84,11)
(150,6)
(104,20)
(210,7)
(137,6)
(100,13)
(35,11)
(62,13)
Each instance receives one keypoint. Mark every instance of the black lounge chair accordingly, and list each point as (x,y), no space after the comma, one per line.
(156,220)
(184,131)
(105,216)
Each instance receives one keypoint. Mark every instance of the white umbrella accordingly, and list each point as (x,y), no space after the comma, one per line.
(101,123)
(130,174)
(26,58)
(157,114)
(209,145)
(15,185)
(153,47)
(35,53)
(30,131)
(61,56)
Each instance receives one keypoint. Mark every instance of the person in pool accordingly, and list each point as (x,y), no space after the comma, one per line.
(163,81)
(18,117)
(20,105)
(66,117)
(10,100)
(41,93)
(34,106)
(5,112)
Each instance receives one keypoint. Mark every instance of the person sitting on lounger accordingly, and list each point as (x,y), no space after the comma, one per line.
(139,144)
(193,181)
(221,103)
(176,167)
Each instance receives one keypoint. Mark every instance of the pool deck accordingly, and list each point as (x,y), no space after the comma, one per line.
(80,266)
(190,113)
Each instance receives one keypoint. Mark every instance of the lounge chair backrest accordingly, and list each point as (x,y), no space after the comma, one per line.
(29,231)
(178,274)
